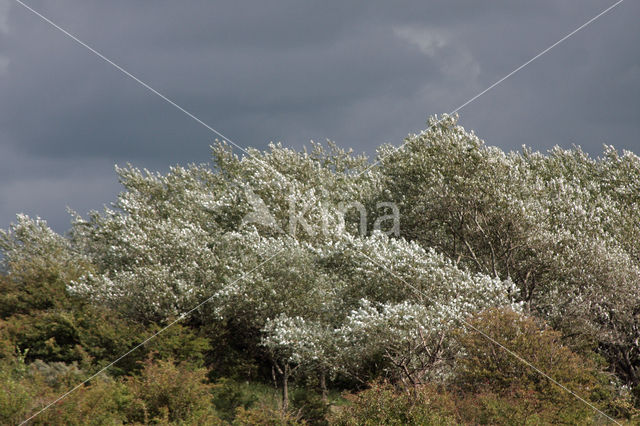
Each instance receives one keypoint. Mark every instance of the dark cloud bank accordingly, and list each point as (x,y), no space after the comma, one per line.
(358,73)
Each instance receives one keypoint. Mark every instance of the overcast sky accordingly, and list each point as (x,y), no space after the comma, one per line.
(359,73)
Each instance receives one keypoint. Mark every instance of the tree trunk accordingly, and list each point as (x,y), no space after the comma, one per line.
(285,388)
(323,386)
(273,376)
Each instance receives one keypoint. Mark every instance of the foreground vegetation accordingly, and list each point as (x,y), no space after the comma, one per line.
(313,288)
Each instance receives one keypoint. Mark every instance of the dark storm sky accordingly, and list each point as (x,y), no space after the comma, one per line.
(359,73)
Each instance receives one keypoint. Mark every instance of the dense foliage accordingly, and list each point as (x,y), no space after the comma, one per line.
(319,271)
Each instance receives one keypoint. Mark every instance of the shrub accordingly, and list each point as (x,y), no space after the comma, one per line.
(16,395)
(26,389)
(499,386)
(229,396)
(384,404)
(169,392)
(310,406)
(179,343)
(104,401)
(265,415)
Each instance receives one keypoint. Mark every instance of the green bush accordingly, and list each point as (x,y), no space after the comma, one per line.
(179,343)
(16,394)
(265,415)
(311,407)
(40,292)
(26,389)
(499,387)
(229,396)
(167,392)
(90,336)
(104,401)
(493,387)
(385,404)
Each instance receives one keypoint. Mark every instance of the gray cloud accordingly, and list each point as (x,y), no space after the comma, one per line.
(359,73)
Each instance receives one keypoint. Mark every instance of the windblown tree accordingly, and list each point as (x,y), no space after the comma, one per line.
(392,312)
(564,227)
(172,241)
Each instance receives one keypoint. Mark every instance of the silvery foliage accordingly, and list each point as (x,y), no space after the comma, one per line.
(171,241)
(155,252)
(565,227)
(30,249)
(591,283)
(398,300)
